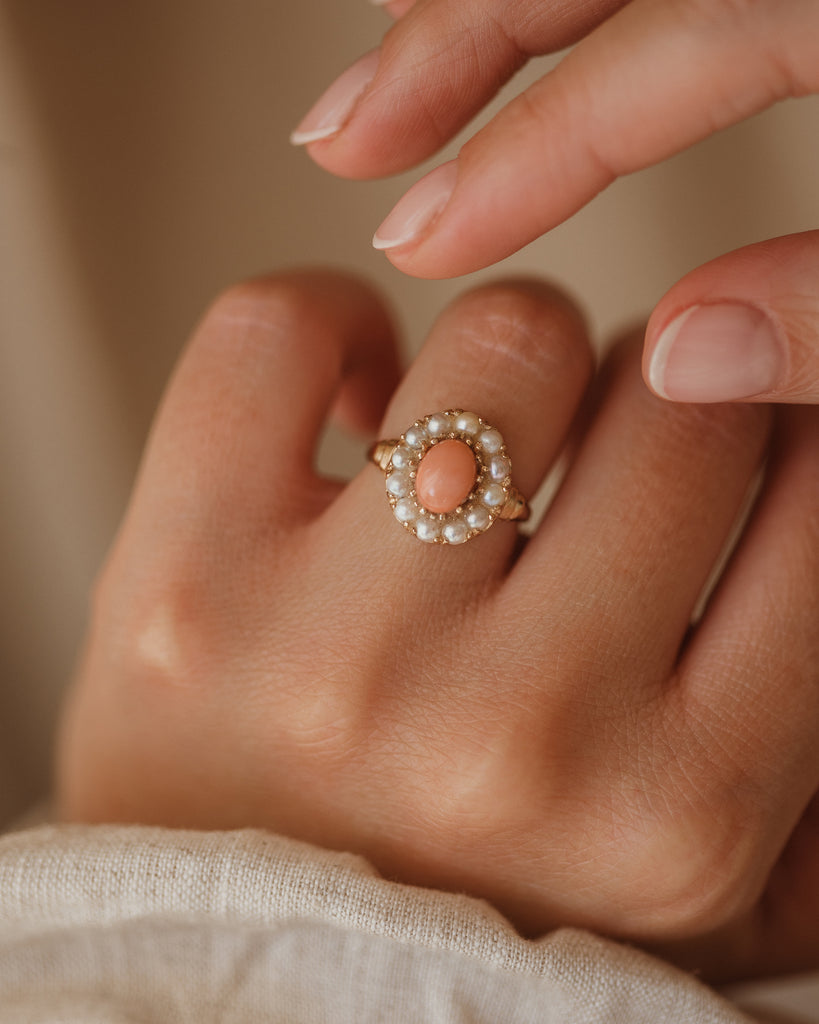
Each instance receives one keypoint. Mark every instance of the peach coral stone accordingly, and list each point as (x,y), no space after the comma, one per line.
(446,476)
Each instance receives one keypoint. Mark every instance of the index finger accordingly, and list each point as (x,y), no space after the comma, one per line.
(440,65)
(650,81)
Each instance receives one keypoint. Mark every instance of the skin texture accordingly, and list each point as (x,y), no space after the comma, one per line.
(538,725)
(644,80)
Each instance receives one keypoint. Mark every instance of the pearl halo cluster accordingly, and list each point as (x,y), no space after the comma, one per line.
(483,504)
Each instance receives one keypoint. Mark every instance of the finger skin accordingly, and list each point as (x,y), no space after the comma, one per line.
(326,687)
(625,98)
(659,494)
(780,279)
(227,480)
(516,350)
(517,354)
(748,702)
(193,574)
(440,64)
(311,339)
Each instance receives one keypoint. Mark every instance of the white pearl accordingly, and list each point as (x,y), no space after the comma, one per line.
(455,533)
(398,484)
(427,530)
(499,468)
(415,437)
(491,441)
(401,457)
(494,495)
(439,424)
(478,518)
(468,423)
(405,510)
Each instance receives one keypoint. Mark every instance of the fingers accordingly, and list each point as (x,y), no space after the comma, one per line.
(435,69)
(624,98)
(516,352)
(743,327)
(746,712)
(625,551)
(235,438)
(749,682)
(196,573)
(517,355)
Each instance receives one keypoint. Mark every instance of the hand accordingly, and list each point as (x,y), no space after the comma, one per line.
(647,79)
(539,726)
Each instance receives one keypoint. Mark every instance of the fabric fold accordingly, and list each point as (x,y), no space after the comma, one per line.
(110,923)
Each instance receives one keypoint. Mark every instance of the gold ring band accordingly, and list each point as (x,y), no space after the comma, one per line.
(459,491)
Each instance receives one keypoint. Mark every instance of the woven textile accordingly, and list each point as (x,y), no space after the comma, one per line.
(114,924)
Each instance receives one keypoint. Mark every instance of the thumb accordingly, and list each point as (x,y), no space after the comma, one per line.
(744,327)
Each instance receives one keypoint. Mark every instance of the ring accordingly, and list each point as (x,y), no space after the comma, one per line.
(449,477)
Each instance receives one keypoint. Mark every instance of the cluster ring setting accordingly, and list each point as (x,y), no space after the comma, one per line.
(449,477)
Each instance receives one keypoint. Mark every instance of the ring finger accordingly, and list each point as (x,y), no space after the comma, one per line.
(515,354)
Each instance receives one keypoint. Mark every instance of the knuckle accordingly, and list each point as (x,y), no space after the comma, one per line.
(311,303)
(781,47)
(156,624)
(523,322)
(471,786)
(322,716)
(453,51)
(697,864)
(267,302)
(740,14)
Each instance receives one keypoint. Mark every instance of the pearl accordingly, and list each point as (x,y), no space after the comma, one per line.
(491,441)
(439,424)
(478,518)
(405,510)
(446,475)
(427,530)
(499,468)
(493,495)
(401,457)
(467,423)
(455,533)
(398,484)
(416,436)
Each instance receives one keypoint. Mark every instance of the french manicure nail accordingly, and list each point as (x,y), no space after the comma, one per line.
(332,111)
(416,210)
(718,352)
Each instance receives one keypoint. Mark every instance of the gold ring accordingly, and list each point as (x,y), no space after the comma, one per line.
(449,477)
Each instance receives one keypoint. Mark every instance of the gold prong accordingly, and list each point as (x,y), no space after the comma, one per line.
(515,507)
(381,452)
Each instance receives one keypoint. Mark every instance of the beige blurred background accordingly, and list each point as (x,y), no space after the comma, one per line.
(144,165)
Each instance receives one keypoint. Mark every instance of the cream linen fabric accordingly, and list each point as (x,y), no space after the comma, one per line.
(130,924)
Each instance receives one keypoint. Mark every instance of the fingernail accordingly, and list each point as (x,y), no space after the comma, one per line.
(718,353)
(416,210)
(329,115)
